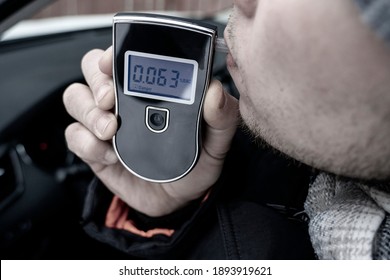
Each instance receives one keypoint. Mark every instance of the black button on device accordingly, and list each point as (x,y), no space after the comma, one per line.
(157,119)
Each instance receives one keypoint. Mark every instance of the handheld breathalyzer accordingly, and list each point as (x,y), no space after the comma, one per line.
(162,67)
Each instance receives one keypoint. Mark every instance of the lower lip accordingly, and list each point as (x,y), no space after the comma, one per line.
(230,62)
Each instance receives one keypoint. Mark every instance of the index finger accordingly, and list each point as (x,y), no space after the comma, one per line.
(100,83)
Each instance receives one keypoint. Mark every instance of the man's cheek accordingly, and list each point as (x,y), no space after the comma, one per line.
(246,7)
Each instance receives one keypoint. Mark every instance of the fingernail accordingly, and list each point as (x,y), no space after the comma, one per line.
(102,124)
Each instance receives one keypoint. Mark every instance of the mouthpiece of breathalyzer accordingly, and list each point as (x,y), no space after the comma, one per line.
(220,45)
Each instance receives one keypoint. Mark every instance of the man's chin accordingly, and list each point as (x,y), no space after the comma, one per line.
(249,129)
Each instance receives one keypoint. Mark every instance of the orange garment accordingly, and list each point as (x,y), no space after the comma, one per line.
(117,217)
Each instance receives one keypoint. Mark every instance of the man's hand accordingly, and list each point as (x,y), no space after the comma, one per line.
(89,138)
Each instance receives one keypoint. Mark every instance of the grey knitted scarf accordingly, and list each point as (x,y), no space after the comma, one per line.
(351,220)
(348,220)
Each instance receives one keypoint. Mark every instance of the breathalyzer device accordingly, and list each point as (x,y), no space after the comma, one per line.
(161,68)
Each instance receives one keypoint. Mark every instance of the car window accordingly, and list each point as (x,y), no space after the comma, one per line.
(200,8)
(68,15)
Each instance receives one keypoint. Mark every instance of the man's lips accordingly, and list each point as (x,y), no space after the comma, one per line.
(230,62)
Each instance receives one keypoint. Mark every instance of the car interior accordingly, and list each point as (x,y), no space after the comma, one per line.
(41,181)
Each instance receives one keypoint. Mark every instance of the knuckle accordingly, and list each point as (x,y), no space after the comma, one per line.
(91,116)
(86,147)
(70,135)
(70,92)
(99,123)
(87,56)
(96,80)
(74,100)
(79,140)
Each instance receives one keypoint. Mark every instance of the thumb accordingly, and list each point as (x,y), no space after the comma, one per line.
(220,112)
(221,119)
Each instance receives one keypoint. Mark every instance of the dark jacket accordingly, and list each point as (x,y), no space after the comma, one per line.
(252,212)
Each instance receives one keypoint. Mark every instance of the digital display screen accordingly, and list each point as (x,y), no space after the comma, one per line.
(160,77)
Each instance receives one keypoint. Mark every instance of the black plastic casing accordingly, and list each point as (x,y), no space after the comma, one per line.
(169,155)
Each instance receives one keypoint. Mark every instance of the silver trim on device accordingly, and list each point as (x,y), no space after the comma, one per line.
(154,19)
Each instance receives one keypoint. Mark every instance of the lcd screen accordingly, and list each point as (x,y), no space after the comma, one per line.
(160,77)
